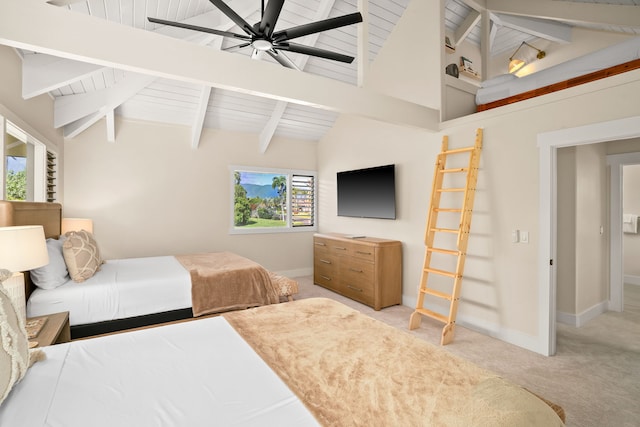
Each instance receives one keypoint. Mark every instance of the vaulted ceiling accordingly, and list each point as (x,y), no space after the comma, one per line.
(88,91)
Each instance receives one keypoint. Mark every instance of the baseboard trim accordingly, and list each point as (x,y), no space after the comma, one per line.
(520,339)
(296,273)
(632,280)
(581,319)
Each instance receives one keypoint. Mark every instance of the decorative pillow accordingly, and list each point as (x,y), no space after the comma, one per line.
(14,351)
(81,255)
(55,273)
(502,78)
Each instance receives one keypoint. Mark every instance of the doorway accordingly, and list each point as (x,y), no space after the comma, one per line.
(548,144)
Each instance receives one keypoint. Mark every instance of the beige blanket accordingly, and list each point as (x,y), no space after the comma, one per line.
(223,281)
(352,370)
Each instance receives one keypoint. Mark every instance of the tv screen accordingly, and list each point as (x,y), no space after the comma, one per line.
(367,193)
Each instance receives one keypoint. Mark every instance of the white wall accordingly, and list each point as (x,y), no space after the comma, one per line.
(34,115)
(150,193)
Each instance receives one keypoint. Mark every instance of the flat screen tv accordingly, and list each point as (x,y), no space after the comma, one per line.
(367,193)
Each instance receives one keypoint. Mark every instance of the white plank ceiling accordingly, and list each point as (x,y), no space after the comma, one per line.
(85,93)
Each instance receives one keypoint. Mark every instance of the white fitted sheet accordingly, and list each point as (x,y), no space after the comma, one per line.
(620,53)
(198,373)
(122,288)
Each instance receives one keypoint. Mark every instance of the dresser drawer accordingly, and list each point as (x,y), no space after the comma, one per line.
(325,271)
(359,272)
(358,290)
(363,252)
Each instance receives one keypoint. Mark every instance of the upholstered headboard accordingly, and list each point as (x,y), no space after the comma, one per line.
(49,215)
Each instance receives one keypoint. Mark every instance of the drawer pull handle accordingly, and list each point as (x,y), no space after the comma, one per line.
(325,261)
(355,269)
(321,244)
(363,253)
(326,278)
(354,288)
(341,248)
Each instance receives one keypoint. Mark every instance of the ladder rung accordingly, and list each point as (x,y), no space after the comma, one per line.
(447,210)
(437,293)
(450,190)
(441,272)
(458,150)
(456,170)
(444,251)
(446,230)
(433,315)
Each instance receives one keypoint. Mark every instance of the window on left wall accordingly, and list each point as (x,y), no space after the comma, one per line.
(272,200)
(28,170)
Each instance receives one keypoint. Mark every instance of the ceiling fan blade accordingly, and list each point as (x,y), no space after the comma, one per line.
(231,14)
(197,28)
(282,59)
(270,16)
(316,27)
(236,47)
(314,51)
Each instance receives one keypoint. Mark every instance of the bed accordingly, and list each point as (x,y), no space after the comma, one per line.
(320,363)
(134,292)
(507,88)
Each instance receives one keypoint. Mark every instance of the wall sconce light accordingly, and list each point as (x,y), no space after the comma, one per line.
(515,64)
(22,248)
(76,224)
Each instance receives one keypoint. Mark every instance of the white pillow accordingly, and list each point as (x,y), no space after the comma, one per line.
(55,273)
(502,78)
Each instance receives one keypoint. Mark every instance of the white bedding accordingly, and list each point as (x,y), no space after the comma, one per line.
(198,373)
(598,60)
(120,289)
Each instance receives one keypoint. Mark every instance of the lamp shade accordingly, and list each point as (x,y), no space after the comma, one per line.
(515,65)
(77,224)
(23,248)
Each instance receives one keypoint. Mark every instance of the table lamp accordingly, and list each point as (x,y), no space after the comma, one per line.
(76,224)
(22,248)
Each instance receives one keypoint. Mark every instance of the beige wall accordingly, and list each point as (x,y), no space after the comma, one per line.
(591,211)
(566,250)
(150,193)
(631,204)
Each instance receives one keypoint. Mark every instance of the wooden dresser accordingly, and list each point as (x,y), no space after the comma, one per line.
(366,269)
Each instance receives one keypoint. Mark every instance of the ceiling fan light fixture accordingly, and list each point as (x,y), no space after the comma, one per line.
(262,45)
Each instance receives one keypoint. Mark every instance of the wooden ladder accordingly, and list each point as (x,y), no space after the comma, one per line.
(432,229)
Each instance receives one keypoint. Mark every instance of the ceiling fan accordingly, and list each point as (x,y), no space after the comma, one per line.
(262,37)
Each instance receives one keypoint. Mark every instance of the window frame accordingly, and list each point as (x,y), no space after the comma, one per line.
(288,228)
(36,159)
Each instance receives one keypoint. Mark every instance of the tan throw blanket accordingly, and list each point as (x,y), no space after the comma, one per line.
(223,281)
(352,370)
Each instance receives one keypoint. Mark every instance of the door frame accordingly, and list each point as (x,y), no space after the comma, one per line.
(548,144)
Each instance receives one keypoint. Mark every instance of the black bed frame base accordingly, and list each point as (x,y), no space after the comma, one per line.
(91,329)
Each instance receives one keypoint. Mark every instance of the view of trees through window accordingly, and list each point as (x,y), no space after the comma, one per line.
(16,168)
(272,199)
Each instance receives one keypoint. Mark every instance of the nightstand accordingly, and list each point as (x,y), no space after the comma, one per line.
(56,329)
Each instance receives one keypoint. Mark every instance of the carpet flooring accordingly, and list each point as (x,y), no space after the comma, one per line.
(595,375)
